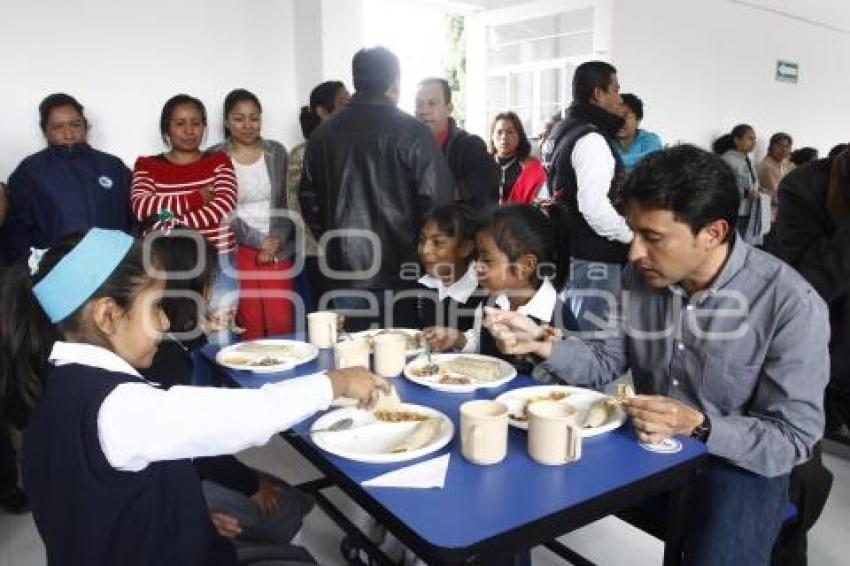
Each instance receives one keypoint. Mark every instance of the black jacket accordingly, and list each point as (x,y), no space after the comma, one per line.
(372,167)
(574,233)
(809,240)
(473,168)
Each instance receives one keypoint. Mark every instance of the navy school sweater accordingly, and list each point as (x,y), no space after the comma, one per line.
(89,513)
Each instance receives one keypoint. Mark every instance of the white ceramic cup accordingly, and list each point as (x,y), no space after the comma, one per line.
(352,353)
(321,328)
(390,354)
(553,437)
(484,431)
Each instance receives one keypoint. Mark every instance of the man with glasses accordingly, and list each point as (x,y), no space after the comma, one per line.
(475,173)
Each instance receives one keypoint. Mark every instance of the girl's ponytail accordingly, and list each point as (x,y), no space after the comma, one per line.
(26,338)
(27,335)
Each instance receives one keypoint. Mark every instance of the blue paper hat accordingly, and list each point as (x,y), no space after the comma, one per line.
(81,272)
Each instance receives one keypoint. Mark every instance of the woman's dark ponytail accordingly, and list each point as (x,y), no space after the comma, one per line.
(727,141)
(26,339)
(309,121)
(723,144)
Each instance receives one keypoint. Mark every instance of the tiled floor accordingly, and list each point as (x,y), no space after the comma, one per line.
(607,542)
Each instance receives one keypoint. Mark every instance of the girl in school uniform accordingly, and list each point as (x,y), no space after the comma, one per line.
(448,295)
(518,266)
(106,456)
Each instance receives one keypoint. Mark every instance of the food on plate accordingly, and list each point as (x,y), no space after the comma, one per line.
(420,436)
(554,395)
(482,370)
(266,361)
(399,416)
(269,350)
(236,360)
(451,379)
(597,414)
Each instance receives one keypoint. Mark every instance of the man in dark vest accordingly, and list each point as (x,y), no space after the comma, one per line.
(475,172)
(584,179)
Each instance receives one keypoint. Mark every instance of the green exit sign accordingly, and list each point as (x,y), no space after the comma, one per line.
(787,71)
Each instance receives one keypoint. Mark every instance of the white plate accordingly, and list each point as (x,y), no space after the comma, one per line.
(578,397)
(409,331)
(372,441)
(303,352)
(507,373)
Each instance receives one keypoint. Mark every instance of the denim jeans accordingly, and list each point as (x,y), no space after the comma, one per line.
(224,293)
(592,289)
(732,516)
(742,224)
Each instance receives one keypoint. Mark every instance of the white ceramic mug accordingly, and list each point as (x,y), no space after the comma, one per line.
(390,353)
(484,431)
(553,437)
(352,353)
(321,328)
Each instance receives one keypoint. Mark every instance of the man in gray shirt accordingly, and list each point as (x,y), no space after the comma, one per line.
(725,344)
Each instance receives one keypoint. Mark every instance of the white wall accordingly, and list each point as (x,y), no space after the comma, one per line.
(703,66)
(122,62)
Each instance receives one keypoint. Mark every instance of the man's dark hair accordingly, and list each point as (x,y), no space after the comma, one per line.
(698,187)
(56,100)
(779,137)
(803,155)
(442,83)
(590,75)
(171,105)
(374,70)
(836,150)
(634,103)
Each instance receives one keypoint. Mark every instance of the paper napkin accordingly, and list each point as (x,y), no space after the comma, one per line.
(427,474)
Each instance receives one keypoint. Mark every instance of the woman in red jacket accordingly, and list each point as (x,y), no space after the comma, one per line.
(522,176)
(187,188)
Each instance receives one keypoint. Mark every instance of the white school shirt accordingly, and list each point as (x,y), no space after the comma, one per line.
(138,423)
(460,290)
(541,306)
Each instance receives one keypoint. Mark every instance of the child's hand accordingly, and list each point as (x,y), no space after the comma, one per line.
(267,497)
(270,245)
(442,339)
(516,334)
(358,383)
(221,319)
(513,321)
(226,525)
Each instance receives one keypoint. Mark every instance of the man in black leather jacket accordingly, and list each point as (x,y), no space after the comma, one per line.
(373,171)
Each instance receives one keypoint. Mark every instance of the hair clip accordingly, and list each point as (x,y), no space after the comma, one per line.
(34,259)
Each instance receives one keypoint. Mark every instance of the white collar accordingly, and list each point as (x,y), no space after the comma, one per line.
(64,353)
(541,306)
(460,290)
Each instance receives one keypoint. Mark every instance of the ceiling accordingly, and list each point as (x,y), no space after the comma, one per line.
(832,14)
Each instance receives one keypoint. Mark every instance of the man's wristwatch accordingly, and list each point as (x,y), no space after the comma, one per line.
(702,430)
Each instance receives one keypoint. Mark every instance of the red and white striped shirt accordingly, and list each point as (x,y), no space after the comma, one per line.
(161,185)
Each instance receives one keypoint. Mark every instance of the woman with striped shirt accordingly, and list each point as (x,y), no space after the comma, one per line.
(188,188)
